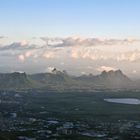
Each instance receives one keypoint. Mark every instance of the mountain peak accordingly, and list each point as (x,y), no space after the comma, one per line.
(112,72)
(14,80)
(19,74)
(114,78)
(118,72)
(59,79)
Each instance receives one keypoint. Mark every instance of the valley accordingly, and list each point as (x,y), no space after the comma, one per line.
(64,115)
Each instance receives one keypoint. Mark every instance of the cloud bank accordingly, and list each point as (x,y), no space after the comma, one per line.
(1,37)
(76,48)
(105,68)
(87,42)
(53,51)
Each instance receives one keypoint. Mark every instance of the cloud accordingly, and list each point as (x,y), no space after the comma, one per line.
(78,48)
(55,42)
(13,46)
(2,37)
(49,69)
(45,53)
(27,54)
(97,54)
(23,43)
(68,42)
(105,68)
(134,71)
(83,73)
(86,42)
(49,54)
(19,46)
(75,52)
(21,57)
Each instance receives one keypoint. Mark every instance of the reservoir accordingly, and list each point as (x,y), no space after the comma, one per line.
(132,101)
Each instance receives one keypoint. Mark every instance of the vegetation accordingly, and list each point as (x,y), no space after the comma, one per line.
(61,81)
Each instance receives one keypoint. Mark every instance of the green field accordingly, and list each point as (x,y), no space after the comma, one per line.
(82,105)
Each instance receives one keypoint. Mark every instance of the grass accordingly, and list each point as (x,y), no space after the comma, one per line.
(83,105)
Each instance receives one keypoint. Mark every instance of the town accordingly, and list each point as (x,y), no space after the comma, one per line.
(19,123)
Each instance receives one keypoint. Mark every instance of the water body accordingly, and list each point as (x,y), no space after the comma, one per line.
(132,101)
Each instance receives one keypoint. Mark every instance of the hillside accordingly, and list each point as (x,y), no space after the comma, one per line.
(60,81)
(16,80)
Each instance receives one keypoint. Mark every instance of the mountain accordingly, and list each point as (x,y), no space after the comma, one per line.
(61,81)
(16,80)
(50,78)
(114,79)
(111,79)
(56,80)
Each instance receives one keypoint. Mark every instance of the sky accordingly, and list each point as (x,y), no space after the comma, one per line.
(80,36)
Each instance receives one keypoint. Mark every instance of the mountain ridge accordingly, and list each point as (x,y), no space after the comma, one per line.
(60,80)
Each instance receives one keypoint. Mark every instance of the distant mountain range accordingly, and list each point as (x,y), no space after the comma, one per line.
(61,81)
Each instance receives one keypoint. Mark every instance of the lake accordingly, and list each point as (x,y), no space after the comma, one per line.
(132,101)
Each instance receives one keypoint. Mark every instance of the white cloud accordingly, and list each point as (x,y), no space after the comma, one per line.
(86,42)
(83,73)
(134,71)
(27,54)
(49,54)
(98,54)
(2,37)
(105,68)
(49,69)
(62,63)
(21,57)
(23,43)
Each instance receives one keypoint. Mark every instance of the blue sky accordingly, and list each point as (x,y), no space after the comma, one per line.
(92,18)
